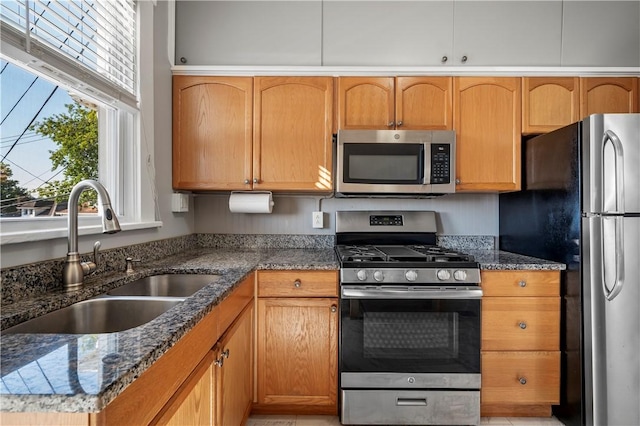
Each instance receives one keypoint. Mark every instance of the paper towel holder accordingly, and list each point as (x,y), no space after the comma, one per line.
(268,208)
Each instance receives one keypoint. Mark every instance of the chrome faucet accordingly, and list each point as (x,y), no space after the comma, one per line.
(74,270)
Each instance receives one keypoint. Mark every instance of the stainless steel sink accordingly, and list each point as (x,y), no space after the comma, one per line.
(100,315)
(167,285)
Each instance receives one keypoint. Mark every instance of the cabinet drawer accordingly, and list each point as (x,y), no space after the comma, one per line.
(520,283)
(521,323)
(520,378)
(297,283)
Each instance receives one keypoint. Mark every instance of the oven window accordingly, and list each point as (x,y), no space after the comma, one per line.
(384,163)
(421,336)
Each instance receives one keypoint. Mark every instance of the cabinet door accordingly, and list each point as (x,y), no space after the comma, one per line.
(549,103)
(235,375)
(231,32)
(392,33)
(192,404)
(600,33)
(600,95)
(212,122)
(424,103)
(366,103)
(487,123)
(293,140)
(501,33)
(298,353)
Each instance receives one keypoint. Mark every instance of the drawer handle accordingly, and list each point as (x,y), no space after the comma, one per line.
(522,325)
(523,380)
(523,283)
(409,402)
(297,283)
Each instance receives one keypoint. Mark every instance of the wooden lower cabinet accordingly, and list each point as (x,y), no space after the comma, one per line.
(520,343)
(234,384)
(193,403)
(297,345)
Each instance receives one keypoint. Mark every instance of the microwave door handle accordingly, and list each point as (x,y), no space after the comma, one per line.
(425,167)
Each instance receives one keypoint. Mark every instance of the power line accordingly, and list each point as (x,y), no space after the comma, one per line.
(30,123)
(18,101)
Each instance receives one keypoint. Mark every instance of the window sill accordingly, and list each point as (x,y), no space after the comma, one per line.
(49,234)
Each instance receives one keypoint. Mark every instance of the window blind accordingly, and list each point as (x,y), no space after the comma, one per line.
(99,35)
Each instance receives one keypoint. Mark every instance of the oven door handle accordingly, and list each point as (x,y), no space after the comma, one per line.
(392,293)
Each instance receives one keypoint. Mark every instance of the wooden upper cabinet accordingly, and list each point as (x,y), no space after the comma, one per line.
(293,140)
(424,103)
(212,122)
(487,123)
(549,103)
(600,95)
(366,103)
(406,103)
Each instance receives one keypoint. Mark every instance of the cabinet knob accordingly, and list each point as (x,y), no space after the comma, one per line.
(183,60)
(399,123)
(219,362)
(390,124)
(225,353)
(463,59)
(522,283)
(256,180)
(297,283)
(522,325)
(247,181)
(457,181)
(334,308)
(523,380)
(444,59)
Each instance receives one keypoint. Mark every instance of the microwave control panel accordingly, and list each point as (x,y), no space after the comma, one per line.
(440,163)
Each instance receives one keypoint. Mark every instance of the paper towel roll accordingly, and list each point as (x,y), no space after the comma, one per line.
(251,202)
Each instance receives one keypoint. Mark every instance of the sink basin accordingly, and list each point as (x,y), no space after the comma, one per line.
(167,285)
(101,315)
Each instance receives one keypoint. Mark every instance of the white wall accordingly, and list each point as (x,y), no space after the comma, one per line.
(155,86)
(458,214)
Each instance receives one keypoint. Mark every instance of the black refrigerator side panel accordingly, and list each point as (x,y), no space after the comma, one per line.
(543,220)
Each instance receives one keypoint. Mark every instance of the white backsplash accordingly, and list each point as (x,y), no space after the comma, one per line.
(457,214)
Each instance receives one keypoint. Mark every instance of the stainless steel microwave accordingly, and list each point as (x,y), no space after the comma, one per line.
(395,162)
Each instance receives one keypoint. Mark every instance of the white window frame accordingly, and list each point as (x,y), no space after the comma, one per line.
(126,167)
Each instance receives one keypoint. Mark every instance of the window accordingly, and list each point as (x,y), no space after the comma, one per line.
(88,50)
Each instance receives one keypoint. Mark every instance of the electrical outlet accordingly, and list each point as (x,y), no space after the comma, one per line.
(318,220)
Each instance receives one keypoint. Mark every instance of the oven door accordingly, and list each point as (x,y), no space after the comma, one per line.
(431,334)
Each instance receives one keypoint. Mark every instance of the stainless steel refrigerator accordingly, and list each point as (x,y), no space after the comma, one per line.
(580,205)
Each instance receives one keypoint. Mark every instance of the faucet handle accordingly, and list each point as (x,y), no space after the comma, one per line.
(130,261)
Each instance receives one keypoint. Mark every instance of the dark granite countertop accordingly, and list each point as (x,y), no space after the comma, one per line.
(503,260)
(84,373)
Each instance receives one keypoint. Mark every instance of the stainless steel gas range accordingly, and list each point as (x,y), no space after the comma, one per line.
(409,324)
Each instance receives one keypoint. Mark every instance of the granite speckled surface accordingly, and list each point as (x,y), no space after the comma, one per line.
(83,373)
(502,260)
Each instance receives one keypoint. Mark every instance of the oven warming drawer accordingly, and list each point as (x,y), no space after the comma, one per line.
(438,407)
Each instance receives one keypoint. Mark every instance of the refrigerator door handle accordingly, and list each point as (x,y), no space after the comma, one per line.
(618,174)
(611,292)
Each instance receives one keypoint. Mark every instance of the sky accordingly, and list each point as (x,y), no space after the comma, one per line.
(29,159)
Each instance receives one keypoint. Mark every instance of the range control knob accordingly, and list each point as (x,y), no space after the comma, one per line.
(378,276)
(411,275)
(361,274)
(460,275)
(443,274)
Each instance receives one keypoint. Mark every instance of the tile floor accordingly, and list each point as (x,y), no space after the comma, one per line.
(265,420)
